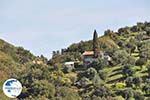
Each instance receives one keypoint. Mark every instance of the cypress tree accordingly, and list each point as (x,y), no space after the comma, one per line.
(95,44)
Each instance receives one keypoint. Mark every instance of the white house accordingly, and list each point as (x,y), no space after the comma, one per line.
(69,64)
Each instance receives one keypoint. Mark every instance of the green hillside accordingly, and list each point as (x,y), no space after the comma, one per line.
(129,48)
(125,77)
(11,60)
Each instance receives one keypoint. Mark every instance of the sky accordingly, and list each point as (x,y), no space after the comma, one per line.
(43,26)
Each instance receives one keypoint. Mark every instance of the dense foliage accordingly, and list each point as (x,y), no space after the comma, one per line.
(125,77)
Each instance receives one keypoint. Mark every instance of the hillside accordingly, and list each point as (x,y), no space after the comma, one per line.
(11,58)
(74,51)
(129,49)
(125,77)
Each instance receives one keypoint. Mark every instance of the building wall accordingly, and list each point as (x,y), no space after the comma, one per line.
(87,60)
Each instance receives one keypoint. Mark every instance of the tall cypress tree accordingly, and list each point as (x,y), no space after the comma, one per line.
(95,44)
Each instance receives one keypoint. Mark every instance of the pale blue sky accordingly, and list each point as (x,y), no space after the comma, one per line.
(42,26)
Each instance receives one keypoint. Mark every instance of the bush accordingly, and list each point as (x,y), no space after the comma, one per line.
(65,93)
(120,85)
(102,74)
(84,82)
(129,81)
(141,61)
(102,92)
(42,88)
(148,69)
(67,69)
(127,70)
(120,56)
(146,89)
(138,96)
(128,94)
(137,81)
(38,88)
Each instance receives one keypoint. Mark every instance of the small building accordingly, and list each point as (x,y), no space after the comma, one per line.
(69,64)
(88,57)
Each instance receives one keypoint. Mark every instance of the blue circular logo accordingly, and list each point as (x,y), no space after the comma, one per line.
(12,88)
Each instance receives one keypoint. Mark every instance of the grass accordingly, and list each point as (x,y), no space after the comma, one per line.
(114,73)
(115,76)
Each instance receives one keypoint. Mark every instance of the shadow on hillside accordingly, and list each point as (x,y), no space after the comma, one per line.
(147,95)
(115,74)
(118,69)
(145,77)
(116,80)
(144,71)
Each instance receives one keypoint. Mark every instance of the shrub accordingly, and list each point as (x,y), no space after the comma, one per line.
(102,74)
(120,85)
(65,93)
(127,70)
(129,81)
(146,89)
(102,92)
(148,69)
(138,96)
(141,61)
(67,69)
(128,94)
(137,81)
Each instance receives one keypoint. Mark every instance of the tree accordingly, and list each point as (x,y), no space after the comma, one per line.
(137,81)
(54,53)
(94,64)
(100,64)
(135,29)
(131,60)
(129,81)
(83,82)
(23,56)
(131,46)
(138,96)
(148,69)
(102,74)
(123,31)
(102,91)
(96,80)
(128,93)
(67,69)
(139,37)
(65,93)
(108,32)
(91,73)
(127,70)
(44,59)
(120,56)
(146,89)
(42,88)
(148,31)
(95,44)
(141,61)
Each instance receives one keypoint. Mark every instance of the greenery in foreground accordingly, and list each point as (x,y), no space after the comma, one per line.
(125,77)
